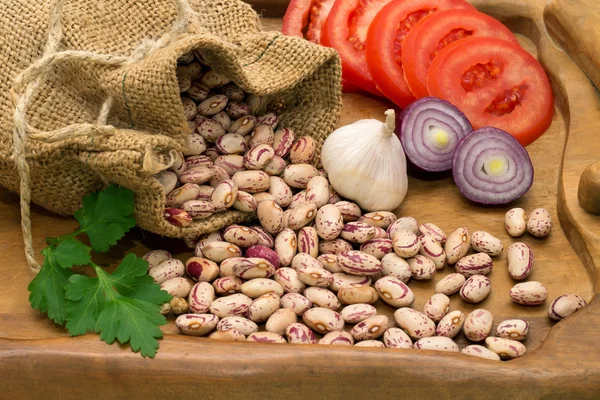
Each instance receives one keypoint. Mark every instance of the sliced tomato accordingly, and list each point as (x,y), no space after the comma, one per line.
(495,83)
(437,31)
(305,18)
(384,42)
(346,31)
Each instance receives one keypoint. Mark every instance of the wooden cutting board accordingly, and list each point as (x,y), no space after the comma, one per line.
(563,360)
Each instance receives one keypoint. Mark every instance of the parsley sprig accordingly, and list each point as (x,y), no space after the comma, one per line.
(122,306)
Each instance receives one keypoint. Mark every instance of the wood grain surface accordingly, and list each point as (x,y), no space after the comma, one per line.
(563,360)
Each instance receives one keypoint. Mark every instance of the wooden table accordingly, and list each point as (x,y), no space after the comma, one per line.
(563,360)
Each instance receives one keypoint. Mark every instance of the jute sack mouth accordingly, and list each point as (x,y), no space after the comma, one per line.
(96,100)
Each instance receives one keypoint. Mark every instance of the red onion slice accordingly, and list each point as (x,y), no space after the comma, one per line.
(491,167)
(430,131)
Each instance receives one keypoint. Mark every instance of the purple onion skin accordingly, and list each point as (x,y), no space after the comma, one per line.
(503,193)
(442,112)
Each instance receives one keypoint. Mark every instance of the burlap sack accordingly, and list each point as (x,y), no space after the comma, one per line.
(99,100)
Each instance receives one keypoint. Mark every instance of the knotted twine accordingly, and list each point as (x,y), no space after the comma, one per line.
(26,83)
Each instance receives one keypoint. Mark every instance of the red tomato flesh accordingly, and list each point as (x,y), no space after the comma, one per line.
(495,83)
(437,31)
(346,31)
(384,42)
(305,18)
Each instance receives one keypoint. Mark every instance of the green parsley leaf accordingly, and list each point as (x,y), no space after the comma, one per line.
(48,290)
(106,216)
(71,252)
(124,305)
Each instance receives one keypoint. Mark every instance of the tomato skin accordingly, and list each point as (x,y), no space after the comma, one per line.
(512,68)
(305,18)
(336,34)
(425,38)
(381,44)
(296,18)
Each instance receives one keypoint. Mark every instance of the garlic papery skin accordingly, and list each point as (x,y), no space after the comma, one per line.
(365,163)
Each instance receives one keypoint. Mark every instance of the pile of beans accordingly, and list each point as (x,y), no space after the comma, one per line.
(314,263)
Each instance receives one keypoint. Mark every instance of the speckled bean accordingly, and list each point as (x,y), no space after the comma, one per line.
(212,79)
(263,134)
(321,297)
(196,324)
(209,129)
(414,323)
(298,175)
(269,118)
(247,268)
(380,219)
(205,192)
(329,262)
(394,265)
(478,325)
(187,192)
(394,292)
(252,181)
(244,325)
(357,293)
(260,251)
(396,338)
(450,284)
(484,242)
(515,222)
(300,334)
(355,262)
(219,175)
(355,313)
(539,222)
(457,245)
(288,278)
(476,289)
(323,320)
(475,264)
(227,285)
(218,251)
(231,143)
(200,298)
(317,191)
(283,141)
(264,237)
(241,236)
(335,246)
(302,215)
(263,307)
(357,232)
(280,320)
(520,261)
(337,338)
(232,335)
(451,324)
(263,196)
(431,249)
(329,222)
(201,269)
(237,110)
(507,349)
(155,257)
(224,195)
(270,216)
(213,105)
(245,202)
(530,293)
(257,157)
(280,191)
(350,211)
(565,305)
(231,163)
(515,329)
(437,307)
(168,180)
(177,287)
(265,337)
(254,288)
(194,145)
(377,248)
(370,343)
(296,302)
(234,304)
(406,244)
(371,328)
(223,118)
(310,271)
(303,150)
(275,166)
(167,269)
(481,352)
(198,91)
(437,343)
(308,241)
(429,229)
(403,224)
(421,267)
(244,125)
(177,217)
(286,246)
(340,279)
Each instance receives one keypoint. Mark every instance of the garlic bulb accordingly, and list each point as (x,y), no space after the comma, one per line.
(365,163)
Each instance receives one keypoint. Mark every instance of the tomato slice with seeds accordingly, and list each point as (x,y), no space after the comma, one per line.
(495,83)
(437,31)
(384,42)
(305,18)
(346,31)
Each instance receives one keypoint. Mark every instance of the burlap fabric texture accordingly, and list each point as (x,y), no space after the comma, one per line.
(89,95)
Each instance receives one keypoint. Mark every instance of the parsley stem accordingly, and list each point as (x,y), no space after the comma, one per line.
(103,278)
